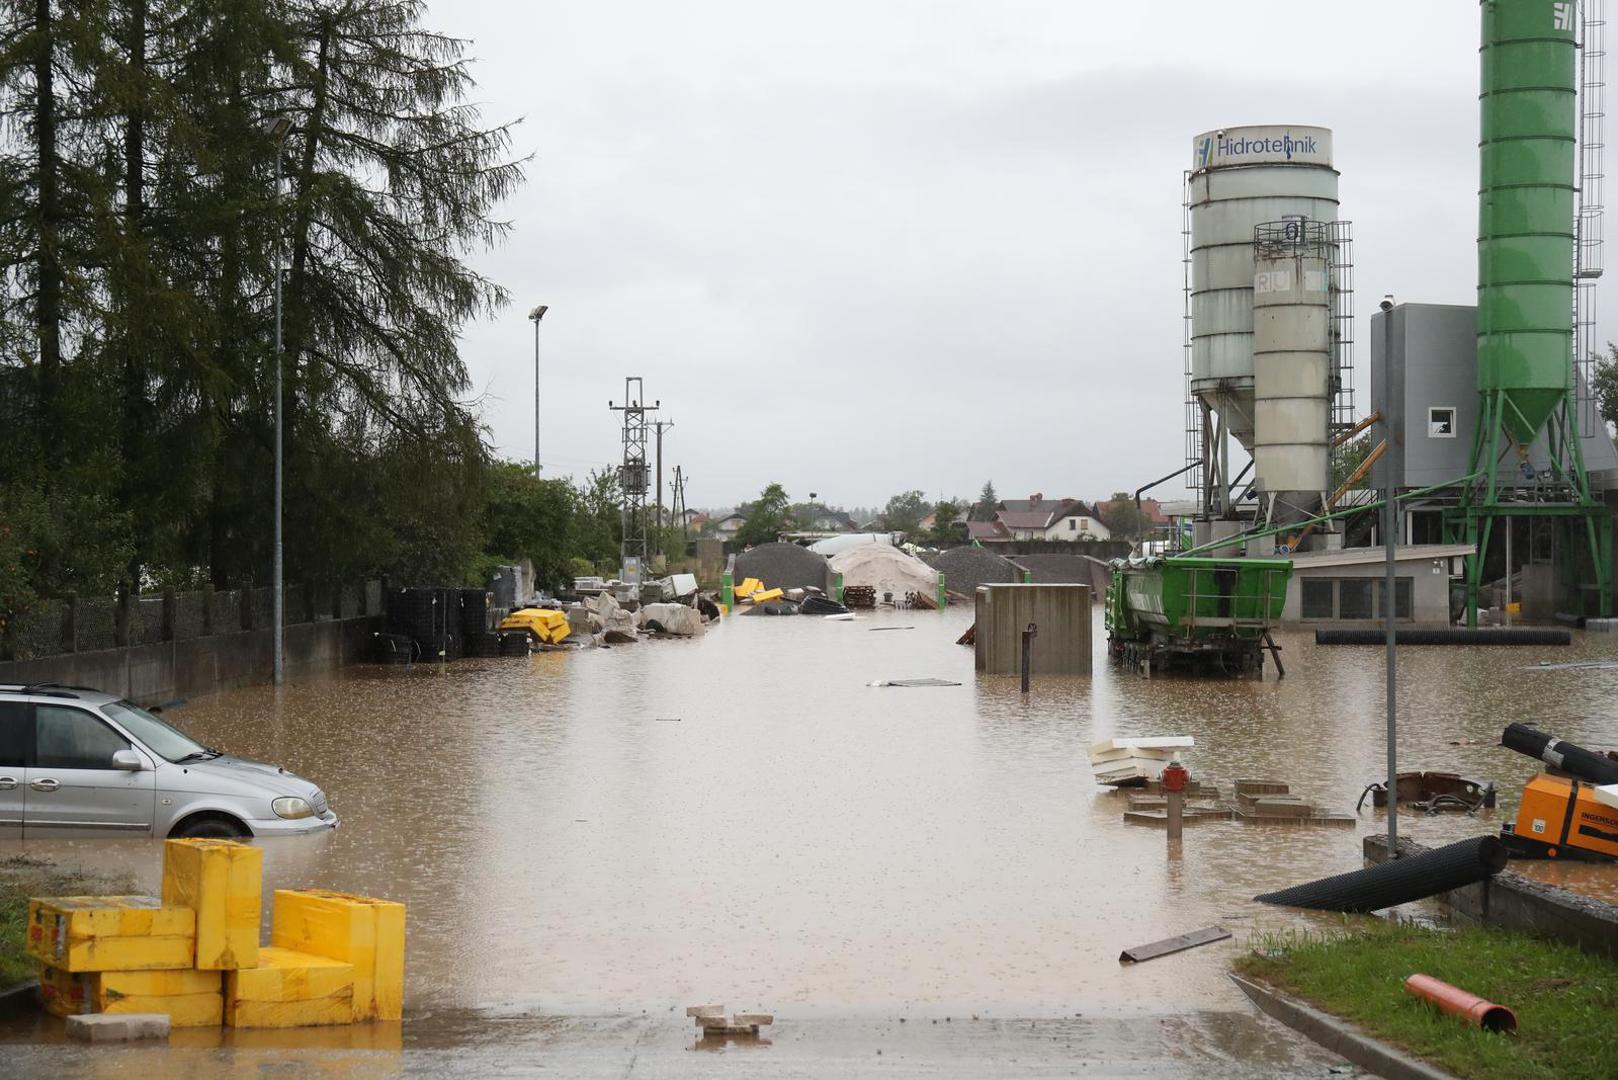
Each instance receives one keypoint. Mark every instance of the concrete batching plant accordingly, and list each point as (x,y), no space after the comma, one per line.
(1268,311)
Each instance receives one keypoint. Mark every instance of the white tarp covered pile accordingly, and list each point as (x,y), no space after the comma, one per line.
(886,569)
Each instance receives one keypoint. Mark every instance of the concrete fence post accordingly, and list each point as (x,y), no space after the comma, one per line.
(120,617)
(207,610)
(70,625)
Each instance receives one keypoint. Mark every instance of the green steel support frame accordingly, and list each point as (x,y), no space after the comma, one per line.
(1526,259)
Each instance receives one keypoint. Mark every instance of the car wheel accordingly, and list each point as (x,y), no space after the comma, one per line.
(211,827)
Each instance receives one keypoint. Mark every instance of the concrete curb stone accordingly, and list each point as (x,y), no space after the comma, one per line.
(1338,1036)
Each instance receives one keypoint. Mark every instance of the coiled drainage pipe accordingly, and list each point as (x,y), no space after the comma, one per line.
(1576,760)
(1398,881)
(1516,635)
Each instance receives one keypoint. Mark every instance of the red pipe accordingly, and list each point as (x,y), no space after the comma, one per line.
(1457,1002)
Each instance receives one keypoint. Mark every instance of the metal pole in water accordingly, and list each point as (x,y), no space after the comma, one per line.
(1389,604)
(1028,653)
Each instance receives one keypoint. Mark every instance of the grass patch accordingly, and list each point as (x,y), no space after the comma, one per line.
(21,878)
(1566,1001)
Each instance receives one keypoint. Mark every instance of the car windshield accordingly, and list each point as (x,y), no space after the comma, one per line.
(163,740)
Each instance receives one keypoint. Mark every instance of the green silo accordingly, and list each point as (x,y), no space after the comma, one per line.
(1527,149)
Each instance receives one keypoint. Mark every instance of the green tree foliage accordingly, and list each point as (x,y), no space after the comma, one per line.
(904,512)
(767,517)
(1352,456)
(948,527)
(140,232)
(1123,518)
(1604,385)
(983,509)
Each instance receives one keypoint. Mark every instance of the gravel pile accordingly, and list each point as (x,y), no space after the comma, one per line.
(965,568)
(887,569)
(783,566)
(1066,570)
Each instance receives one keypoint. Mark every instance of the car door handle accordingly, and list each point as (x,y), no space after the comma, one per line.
(8,783)
(46,784)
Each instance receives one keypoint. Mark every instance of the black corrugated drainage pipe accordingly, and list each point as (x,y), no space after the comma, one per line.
(1520,635)
(1571,759)
(1398,881)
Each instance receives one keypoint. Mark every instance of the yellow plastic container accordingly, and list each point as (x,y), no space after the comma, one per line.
(188,998)
(222,881)
(320,1012)
(287,975)
(547,625)
(764,596)
(747,588)
(110,933)
(360,930)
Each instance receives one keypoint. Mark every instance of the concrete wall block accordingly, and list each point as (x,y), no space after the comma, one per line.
(1062,615)
(117,1027)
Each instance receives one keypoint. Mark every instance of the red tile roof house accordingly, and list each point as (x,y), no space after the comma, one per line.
(1039,518)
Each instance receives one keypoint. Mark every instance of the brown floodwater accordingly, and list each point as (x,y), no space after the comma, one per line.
(743,818)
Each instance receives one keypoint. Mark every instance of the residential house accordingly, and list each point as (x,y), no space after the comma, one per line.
(727,527)
(1039,518)
(824,519)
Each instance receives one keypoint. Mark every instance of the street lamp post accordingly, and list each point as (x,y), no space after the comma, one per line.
(278,127)
(535,315)
(1390,603)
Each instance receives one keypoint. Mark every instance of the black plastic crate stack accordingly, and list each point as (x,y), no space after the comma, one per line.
(513,642)
(477,638)
(424,616)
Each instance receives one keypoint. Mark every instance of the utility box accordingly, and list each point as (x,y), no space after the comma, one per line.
(1061,614)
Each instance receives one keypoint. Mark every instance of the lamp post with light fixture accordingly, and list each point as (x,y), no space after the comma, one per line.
(535,315)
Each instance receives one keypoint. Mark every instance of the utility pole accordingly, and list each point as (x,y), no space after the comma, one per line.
(679,507)
(660,426)
(277,128)
(632,477)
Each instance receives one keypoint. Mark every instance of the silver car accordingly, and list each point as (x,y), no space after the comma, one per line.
(76,762)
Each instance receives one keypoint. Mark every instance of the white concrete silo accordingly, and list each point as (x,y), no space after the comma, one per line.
(1241,177)
(1292,391)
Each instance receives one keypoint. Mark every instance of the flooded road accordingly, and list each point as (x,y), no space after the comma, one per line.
(744,819)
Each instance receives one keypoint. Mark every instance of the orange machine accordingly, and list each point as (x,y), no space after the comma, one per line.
(1561,818)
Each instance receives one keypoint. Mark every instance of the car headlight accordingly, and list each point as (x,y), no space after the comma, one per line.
(292,807)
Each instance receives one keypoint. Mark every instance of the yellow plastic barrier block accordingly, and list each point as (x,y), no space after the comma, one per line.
(183,1010)
(188,998)
(320,1012)
(546,624)
(365,932)
(764,596)
(286,975)
(222,881)
(66,993)
(110,933)
(748,587)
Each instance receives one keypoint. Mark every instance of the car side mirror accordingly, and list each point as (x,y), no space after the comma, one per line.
(126,760)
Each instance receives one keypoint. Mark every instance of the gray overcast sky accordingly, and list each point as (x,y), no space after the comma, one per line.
(860,247)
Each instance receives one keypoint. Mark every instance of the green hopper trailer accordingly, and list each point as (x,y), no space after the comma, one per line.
(1207,615)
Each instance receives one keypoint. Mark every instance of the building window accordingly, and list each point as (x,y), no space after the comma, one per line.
(1072,524)
(1401,598)
(1354,599)
(1441,421)
(1319,597)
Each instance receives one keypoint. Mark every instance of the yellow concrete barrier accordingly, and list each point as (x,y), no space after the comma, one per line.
(360,930)
(223,882)
(290,989)
(748,587)
(110,933)
(764,596)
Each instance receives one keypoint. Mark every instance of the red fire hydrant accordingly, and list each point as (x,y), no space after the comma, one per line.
(1175,777)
